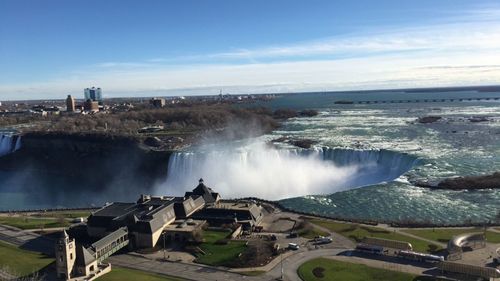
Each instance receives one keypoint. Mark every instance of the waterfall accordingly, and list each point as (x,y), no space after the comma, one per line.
(262,171)
(9,144)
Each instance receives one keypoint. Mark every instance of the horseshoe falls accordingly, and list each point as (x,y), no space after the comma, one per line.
(261,171)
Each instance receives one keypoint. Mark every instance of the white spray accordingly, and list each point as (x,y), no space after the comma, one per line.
(257,170)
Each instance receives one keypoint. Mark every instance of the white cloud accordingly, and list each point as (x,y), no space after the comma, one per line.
(444,54)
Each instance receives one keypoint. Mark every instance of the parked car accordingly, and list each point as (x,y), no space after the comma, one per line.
(323,240)
(78,220)
(293,246)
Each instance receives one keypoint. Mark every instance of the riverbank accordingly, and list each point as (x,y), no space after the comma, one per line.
(470,183)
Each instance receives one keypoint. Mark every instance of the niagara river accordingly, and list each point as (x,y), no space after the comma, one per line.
(365,158)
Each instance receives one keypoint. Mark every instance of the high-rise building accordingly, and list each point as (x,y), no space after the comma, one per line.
(70,104)
(94,94)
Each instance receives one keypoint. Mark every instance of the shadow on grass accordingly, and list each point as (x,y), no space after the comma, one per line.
(40,244)
(47,272)
(374,230)
(389,259)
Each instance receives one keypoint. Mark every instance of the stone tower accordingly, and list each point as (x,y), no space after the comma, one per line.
(65,256)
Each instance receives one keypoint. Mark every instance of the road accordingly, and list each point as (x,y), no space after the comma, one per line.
(292,263)
(197,272)
(184,270)
(26,239)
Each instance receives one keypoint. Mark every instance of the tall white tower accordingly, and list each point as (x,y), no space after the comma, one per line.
(65,256)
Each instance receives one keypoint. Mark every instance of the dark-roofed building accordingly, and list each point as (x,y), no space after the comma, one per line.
(141,224)
(85,263)
(144,219)
(186,206)
(73,260)
(184,230)
(247,214)
(210,197)
(109,218)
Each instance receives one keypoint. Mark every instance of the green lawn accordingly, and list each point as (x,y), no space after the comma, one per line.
(443,235)
(331,270)
(358,232)
(219,254)
(125,274)
(32,223)
(312,233)
(21,262)
(66,214)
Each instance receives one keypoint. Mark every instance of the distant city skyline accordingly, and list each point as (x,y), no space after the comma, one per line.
(54,48)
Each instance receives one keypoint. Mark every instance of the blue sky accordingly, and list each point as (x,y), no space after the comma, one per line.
(52,48)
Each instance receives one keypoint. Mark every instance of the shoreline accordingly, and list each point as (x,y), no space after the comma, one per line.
(278,205)
(491,181)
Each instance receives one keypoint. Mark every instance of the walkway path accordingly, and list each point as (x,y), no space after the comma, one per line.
(492,229)
(187,271)
(337,238)
(292,263)
(26,239)
(402,232)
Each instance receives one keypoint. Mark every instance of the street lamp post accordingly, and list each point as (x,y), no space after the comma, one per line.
(281,255)
(164,253)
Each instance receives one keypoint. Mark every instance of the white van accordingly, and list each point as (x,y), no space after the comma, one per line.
(293,246)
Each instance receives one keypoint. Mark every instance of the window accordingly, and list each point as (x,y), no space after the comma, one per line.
(71,256)
(61,258)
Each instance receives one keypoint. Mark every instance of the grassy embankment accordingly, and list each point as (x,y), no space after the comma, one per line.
(357,232)
(443,235)
(321,269)
(21,262)
(33,223)
(216,253)
(125,274)
(310,231)
(66,214)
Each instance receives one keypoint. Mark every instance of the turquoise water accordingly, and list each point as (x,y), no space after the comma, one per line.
(362,166)
(453,146)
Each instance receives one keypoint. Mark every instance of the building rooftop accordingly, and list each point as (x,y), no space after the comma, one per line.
(114,210)
(108,239)
(84,256)
(235,205)
(188,225)
(206,192)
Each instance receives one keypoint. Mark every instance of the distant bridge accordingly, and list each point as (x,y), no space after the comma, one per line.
(425,100)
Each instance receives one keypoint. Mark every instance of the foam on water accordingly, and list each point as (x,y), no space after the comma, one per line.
(452,147)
